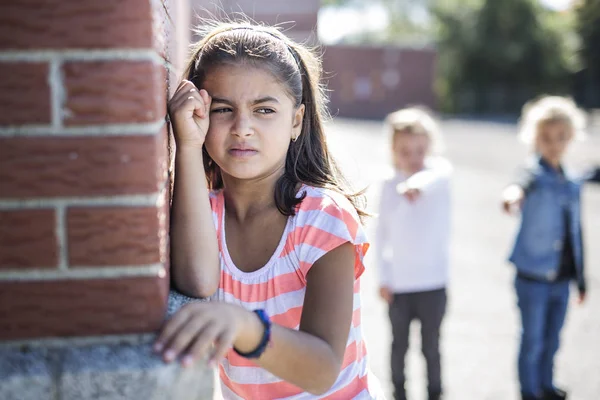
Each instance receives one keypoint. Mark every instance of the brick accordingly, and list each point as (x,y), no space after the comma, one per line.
(162,155)
(164,224)
(114,92)
(105,236)
(24,93)
(81,307)
(28,239)
(83,166)
(58,24)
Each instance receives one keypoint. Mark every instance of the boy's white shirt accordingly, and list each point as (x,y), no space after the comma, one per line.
(412,239)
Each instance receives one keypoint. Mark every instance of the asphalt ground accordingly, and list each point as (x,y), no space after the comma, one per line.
(481,328)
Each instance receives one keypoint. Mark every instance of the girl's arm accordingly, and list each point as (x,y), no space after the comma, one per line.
(194,250)
(310,358)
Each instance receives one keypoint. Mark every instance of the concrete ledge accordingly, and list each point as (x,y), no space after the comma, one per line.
(106,371)
(26,375)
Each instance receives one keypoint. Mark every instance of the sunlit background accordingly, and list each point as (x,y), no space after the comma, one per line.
(476,63)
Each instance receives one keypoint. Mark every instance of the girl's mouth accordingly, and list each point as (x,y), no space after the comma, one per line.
(242,153)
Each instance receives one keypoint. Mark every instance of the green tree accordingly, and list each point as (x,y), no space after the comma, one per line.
(496,56)
(588,27)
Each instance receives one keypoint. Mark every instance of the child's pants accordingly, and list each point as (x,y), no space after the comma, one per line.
(543,308)
(429,308)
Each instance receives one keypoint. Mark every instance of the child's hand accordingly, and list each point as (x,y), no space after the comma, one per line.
(512,198)
(411,194)
(386,295)
(199,329)
(581,298)
(189,111)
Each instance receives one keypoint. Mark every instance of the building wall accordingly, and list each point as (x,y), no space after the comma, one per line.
(297,18)
(370,82)
(83,166)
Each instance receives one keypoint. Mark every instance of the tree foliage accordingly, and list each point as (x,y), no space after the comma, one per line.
(493,54)
(496,56)
(588,28)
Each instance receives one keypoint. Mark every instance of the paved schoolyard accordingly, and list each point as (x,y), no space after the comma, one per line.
(480,333)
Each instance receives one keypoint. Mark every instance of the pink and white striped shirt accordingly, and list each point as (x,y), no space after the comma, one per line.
(323,221)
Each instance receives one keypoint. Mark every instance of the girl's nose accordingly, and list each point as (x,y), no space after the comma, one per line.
(242,126)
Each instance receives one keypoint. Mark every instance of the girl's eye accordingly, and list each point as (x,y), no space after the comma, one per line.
(221,110)
(265,111)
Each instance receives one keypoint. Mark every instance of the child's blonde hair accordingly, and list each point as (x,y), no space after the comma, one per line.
(551,109)
(416,121)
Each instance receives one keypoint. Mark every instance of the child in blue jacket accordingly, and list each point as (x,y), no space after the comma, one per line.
(548,251)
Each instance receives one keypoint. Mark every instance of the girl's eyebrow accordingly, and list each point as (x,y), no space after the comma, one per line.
(254,102)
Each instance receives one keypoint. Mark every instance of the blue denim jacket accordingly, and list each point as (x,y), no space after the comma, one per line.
(538,247)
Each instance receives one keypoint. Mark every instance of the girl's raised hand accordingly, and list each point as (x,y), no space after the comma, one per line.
(189,111)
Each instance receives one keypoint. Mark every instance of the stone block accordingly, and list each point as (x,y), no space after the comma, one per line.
(26,375)
(126,372)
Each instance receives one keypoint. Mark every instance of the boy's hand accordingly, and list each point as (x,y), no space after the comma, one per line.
(512,199)
(189,111)
(411,194)
(581,298)
(386,295)
(201,329)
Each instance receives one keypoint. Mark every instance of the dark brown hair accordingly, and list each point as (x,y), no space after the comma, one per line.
(308,160)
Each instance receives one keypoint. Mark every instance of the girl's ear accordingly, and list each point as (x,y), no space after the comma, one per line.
(297,123)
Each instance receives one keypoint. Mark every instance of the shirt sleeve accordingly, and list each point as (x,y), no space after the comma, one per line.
(323,224)
(216,205)
(382,233)
(524,178)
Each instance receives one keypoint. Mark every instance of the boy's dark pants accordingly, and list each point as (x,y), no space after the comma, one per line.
(429,308)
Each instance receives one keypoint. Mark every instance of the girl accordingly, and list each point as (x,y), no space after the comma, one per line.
(262,224)
(412,236)
(548,251)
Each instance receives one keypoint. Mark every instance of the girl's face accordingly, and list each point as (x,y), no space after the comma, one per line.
(552,140)
(410,151)
(252,121)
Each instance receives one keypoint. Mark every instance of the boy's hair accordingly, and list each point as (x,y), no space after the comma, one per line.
(298,69)
(416,121)
(549,109)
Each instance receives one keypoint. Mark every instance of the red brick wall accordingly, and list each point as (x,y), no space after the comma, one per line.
(370,82)
(83,166)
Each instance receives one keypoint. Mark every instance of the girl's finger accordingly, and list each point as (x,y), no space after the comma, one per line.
(194,105)
(184,337)
(205,97)
(181,84)
(184,95)
(222,346)
(184,87)
(171,327)
(201,344)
